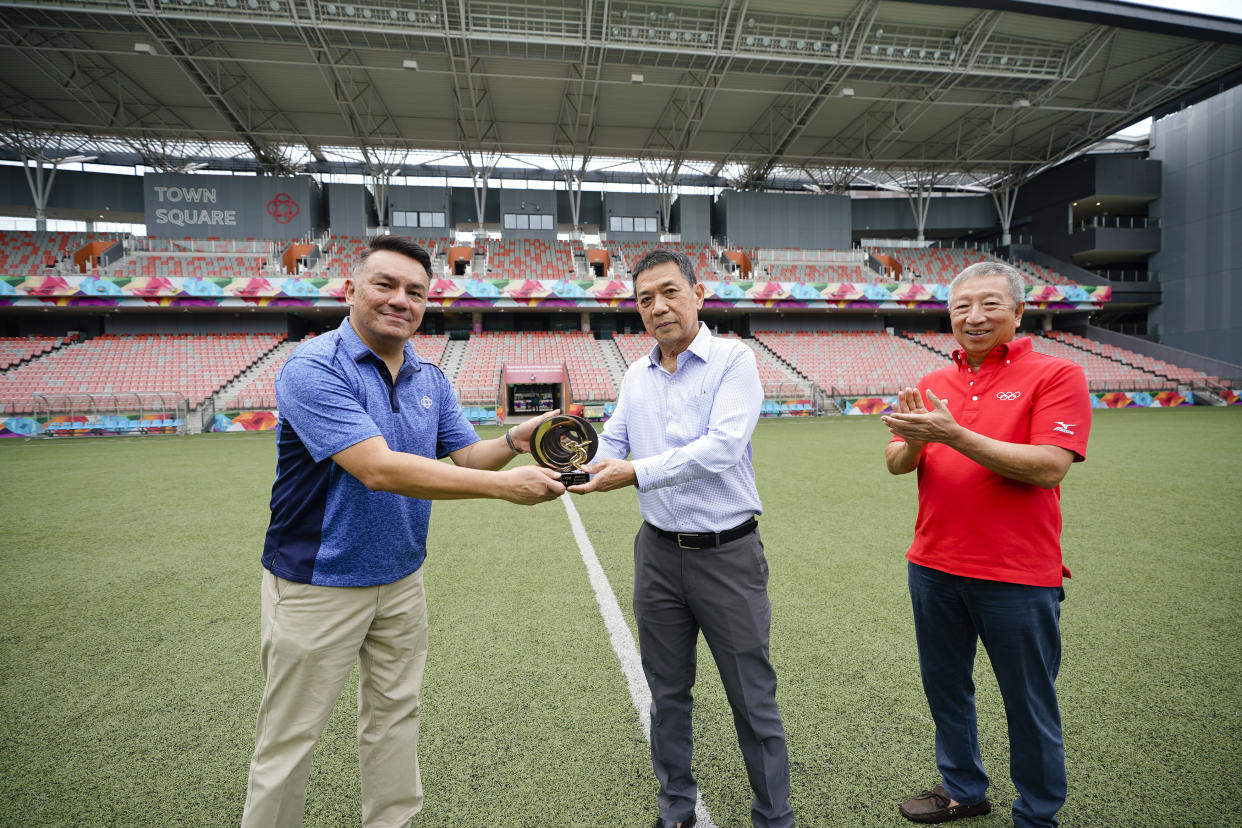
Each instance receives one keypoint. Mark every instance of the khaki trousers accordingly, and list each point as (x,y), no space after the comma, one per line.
(311,637)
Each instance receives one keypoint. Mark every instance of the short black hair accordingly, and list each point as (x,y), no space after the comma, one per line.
(660,255)
(402,245)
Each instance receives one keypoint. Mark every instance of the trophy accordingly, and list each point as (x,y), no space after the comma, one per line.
(565,444)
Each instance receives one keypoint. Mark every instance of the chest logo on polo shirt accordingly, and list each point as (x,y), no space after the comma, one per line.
(425,401)
(1064,428)
(1009,396)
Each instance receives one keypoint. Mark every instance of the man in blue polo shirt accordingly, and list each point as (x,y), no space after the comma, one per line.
(363,422)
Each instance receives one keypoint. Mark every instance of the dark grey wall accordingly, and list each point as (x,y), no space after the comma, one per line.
(528,202)
(760,322)
(135,323)
(1200,261)
(421,199)
(959,215)
(1045,204)
(74,190)
(691,217)
(590,209)
(639,205)
(815,222)
(351,209)
(462,203)
(232,207)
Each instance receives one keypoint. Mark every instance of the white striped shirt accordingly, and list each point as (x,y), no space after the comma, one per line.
(688,435)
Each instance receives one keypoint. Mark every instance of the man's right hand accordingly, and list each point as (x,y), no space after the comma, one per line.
(528,485)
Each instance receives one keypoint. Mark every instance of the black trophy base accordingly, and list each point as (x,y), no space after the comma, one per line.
(574,478)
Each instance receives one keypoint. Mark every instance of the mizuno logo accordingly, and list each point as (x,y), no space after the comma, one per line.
(1008,395)
(1064,428)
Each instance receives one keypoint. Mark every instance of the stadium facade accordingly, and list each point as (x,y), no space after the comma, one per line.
(835,273)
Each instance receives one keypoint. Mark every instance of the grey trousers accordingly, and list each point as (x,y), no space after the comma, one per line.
(722,591)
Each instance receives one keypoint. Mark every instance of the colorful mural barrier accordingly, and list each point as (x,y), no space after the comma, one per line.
(78,291)
(77,425)
(1110,399)
(1141,399)
(869,405)
(787,408)
(244,421)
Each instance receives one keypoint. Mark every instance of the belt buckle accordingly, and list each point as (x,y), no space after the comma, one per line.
(681,535)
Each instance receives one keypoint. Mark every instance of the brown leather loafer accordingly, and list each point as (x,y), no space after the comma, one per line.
(932,808)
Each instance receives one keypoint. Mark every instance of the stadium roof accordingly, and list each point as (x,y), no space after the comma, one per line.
(824,94)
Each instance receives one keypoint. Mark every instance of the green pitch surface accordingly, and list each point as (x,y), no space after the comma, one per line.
(129,609)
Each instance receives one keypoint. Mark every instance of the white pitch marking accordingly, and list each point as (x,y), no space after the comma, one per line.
(621,637)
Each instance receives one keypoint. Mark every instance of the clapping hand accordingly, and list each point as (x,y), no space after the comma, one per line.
(917,425)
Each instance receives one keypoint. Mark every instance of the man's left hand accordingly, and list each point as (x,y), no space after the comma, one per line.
(607,474)
(521,435)
(934,426)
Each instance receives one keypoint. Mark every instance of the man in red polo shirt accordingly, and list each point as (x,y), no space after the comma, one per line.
(992,435)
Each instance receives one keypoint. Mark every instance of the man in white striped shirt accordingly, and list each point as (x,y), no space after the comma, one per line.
(684,417)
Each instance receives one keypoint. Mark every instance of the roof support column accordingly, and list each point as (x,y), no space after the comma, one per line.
(919,199)
(1005,198)
(39,188)
(480,170)
(573,170)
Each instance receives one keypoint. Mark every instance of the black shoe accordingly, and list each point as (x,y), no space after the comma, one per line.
(688,822)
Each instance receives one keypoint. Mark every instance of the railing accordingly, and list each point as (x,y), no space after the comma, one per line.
(896,243)
(1121,222)
(1143,329)
(1129,275)
(810,257)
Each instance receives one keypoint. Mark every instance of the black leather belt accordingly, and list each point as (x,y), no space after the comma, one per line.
(707,540)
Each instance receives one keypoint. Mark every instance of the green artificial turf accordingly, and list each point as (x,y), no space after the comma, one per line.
(129,675)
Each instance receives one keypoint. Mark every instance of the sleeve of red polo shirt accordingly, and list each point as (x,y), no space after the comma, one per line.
(1061,411)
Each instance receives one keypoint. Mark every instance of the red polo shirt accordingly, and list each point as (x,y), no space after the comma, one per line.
(974,522)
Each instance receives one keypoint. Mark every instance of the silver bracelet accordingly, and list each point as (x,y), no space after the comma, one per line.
(509,442)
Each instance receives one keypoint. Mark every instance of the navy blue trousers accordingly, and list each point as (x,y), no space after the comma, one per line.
(1020,629)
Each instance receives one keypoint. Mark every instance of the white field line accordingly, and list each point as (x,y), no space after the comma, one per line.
(621,637)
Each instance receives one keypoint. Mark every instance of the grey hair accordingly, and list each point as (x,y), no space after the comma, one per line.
(1017,286)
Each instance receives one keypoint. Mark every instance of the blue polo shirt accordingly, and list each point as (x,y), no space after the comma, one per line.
(327,528)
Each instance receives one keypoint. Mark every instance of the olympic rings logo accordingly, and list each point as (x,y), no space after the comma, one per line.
(1008,395)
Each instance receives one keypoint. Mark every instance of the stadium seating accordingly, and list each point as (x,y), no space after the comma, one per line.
(18,349)
(1184,376)
(797,265)
(1104,373)
(777,380)
(936,265)
(32,253)
(633,346)
(193,365)
(530,259)
(852,363)
(625,253)
(1037,274)
(259,390)
(478,380)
